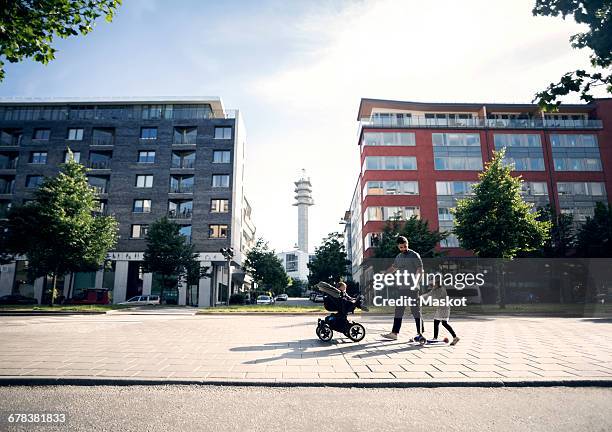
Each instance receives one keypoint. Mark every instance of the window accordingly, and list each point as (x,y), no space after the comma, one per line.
(451,188)
(581,188)
(221,156)
(185,231)
(390,163)
(100,160)
(139,231)
(152,112)
(146,157)
(220,181)
(181,184)
(100,184)
(391,187)
(459,163)
(389,213)
(217,231)
(42,134)
(180,209)
(142,206)
(185,135)
(34,181)
(223,132)
(75,134)
(103,136)
(571,140)
(183,160)
(144,181)
(219,206)
(517,140)
(148,133)
(455,139)
(389,139)
(191,111)
(38,157)
(291,263)
(75,155)
(535,188)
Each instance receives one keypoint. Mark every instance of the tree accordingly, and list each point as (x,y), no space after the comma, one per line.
(296,288)
(27,27)
(59,231)
(597,16)
(167,253)
(265,268)
(496,222)
(421,238)
(595,235)
(329,263)
(562,233)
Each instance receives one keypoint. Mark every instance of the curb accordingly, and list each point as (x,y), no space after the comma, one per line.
(348,383)
(34,313)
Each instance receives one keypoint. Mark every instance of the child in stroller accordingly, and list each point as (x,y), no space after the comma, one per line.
(338,301)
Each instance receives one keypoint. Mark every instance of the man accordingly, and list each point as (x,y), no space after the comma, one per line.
(409,261)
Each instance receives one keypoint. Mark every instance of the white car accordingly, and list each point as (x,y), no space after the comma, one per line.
(142,300)
(265,300)
(319,298)
(282,297)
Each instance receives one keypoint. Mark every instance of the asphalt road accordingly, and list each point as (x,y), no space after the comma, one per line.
(181,408)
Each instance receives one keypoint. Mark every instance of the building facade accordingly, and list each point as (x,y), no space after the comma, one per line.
(419,158)
(180,157)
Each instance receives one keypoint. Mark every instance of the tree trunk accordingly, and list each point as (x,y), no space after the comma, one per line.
(53,289)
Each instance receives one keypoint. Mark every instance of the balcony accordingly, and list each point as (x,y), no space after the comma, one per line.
(179,214)
(99,164)
(188,188)
(8,165)
(7,189)
(476,123)
(183,164)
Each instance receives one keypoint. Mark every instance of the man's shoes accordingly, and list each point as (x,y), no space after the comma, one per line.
(391,336)
(455,340)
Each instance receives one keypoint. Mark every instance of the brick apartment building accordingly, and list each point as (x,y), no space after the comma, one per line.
(419,158)
(181,157)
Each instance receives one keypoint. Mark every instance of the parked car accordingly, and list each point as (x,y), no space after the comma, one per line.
(313,295)
(90,296)
(17,299)
(319,298)
(282,297)
(264,299)
(142,300)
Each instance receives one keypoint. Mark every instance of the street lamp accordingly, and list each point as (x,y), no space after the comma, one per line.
(228,253)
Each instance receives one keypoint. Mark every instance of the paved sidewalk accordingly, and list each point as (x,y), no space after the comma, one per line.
(283,349)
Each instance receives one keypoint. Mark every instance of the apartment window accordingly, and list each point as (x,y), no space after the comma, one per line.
(389,213)
(219,206)
(103,136)
(34,181)
(448,119)
(444,214)
(389,139)
(146,157)
(390,163)
(221,156)
(220,181)
(152,112)
(144,181)
(148,133)
(534,188)
(100,184)
(180,209)
(181,184)
(222,132)
(75,134)
(100,208)
(75,155)
(451,188)
(185,231)
(575,152)
(217,231)
(458,163)
(11,137)
(581,188)
(572,140)
(100,160)
(455,139)
(191,111)
(391,187)
(139,231)
(42,134)
(142,206)
(524,151)
(185,135)
(517,140)
(183,160)
(38,158)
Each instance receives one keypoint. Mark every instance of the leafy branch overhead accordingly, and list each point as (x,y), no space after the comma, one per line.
(597,15)
(28,27)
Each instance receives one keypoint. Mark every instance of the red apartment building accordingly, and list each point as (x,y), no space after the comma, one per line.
(419,158)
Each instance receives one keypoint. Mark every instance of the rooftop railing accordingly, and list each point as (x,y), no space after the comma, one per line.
(478,123)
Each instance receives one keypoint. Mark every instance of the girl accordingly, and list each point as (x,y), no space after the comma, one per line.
(441,313)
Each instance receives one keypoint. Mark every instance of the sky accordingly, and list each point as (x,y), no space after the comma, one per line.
(297,70)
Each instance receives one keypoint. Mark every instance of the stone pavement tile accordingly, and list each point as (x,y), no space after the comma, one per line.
(489,374)
(264,375)
(84,366)
(458,361)
(375,375)
(337,375)
(551,366)
(115,373)
(118,366)
(411,375)
(588,367)
(518,374)
(452,368)
(278,368)
(420,368)
(484,367)
(360,368)
(391,361)
(181,368)
(487,361)
(554,373)
(386,368)
(228,375)
(301,362)
(518,367)
(317,369)
(249,368)
(300,375)
(446,374)
(152,374)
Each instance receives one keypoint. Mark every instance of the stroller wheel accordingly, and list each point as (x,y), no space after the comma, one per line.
(324,332)
(356,332)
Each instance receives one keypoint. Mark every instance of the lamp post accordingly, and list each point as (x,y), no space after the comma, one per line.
(228,253)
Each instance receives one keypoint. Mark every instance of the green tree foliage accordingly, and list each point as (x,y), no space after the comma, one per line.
(597,16)
(562,233)
(329,263)
(59,231)
(420,238)
(265,268)
(28,27)
(296,288)
(496,222)
(168,254)
(595,235)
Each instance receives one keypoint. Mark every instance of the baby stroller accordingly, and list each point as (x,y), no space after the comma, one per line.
(340,303)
